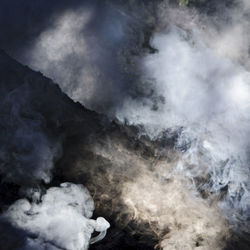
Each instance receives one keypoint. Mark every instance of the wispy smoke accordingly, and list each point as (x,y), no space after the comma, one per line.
(90,51)
(63,54)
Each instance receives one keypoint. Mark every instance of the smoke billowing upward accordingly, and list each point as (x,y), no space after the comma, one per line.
(168,68)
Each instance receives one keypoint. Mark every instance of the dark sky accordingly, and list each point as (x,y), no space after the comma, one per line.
(22,21)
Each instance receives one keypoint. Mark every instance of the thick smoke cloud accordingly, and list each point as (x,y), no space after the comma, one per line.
(60,221)
(206,93)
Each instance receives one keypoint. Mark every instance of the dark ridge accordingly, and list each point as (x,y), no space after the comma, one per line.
(82,133)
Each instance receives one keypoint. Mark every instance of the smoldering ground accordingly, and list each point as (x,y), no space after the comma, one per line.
(163,68)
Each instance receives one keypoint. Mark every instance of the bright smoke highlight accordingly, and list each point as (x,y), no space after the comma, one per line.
(60,221)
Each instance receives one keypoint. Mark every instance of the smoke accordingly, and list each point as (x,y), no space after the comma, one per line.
(59,221)
(187,73)
(168,206)
(206,95)
(87,50)
(62,53)
(139,187)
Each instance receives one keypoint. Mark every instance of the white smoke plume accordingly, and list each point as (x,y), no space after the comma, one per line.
(60,221)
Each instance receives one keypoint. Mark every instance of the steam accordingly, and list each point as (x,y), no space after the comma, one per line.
(60,221)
